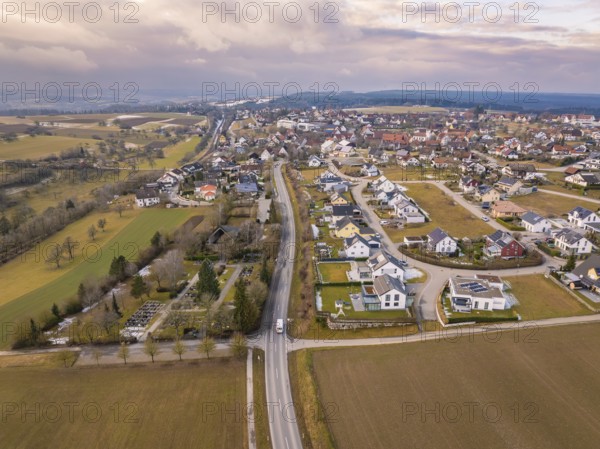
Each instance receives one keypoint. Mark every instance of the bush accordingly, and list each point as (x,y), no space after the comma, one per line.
(72,307)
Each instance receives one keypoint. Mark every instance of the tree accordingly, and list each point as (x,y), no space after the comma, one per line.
(246,312)
(69,247)
(151,348)
(239,345)
(207,346)
(55,311)
(92,231)
(176,320)
(173,267)
(265,274)
(179,348)
(119,208)
(67,357)
(156,239)
(517,236)
(69,204)
(97,354)
(118,268)
(81,292)
(102,223)
(570,265)
(138,287)
(4,225)
(208,283)
(115,305)
(54,255)
(123,352)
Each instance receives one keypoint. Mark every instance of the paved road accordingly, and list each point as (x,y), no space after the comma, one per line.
(284,430)
(526,328)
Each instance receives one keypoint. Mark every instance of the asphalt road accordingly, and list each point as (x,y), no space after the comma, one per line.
(282,422)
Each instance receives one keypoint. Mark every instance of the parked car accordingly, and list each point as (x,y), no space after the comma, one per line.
(484,218)
(384,222)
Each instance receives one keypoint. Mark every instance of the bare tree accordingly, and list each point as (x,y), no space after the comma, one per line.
(97,354)
(123,352)
(179,348)
(207,346)
(170,268)
(69,246)
(67,357)
(54,255)
(151,348)
(102,223)
(239,345)
(92,231)
(119,208)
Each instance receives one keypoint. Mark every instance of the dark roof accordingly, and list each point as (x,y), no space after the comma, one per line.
(532,218)
(145,194)
(436,236)
(386,283)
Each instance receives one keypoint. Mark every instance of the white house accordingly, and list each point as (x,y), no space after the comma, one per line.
(533,222)
(384,184)
(570,241)
(369,170)
(356,247)
(266,155)
(404,208)
(391,292)
(440,242)
(315,161)
(286,124)
(384,263)
(468,294)
(147,198)
(583,218)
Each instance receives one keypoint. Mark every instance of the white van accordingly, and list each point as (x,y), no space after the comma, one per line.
(279,326)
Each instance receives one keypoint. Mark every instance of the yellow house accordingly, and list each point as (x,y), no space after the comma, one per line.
(490,197)
(339,200)
(346,228)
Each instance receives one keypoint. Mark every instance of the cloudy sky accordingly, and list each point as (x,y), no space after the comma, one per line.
(359,45)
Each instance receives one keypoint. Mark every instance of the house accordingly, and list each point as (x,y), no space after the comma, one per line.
(369,170)
(315,161)
(247,188)
(408,211)
(468,184)
(588,273)
(391,292)
(506,209)
(487,194)
(356,247)
(441,243)
(584,179)
(384,184)
(266,155)
(207,192)
(468,294)
(334,183)
(146,198)
(346,227)
(583,218)
(383,262)
(339,212)
(570,242)
(510,186)
(224,232)
(337,199)
(502,244)
(533,222)
(519,171)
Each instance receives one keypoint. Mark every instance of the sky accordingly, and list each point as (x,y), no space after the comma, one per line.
(359,45)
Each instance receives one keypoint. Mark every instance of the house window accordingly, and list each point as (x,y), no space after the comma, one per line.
(387,297)
(387,304)
(485,306)
(476,305)
(396,297)
(396,304)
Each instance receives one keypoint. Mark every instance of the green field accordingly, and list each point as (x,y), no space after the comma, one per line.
(167,405)
(173,154)
(62,285)
(529,389)
(41,146)
(334,272)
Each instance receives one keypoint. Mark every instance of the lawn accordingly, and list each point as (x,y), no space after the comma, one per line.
(548,204)
(127,406)
(334,272)
(475,392)
(454,219)
(540,298)
(330,294)
(41,146)
(38,285)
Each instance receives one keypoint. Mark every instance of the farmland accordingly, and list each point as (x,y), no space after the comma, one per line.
(41,146)
(395,395)
(173,154)
(35,286)
(138,410)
